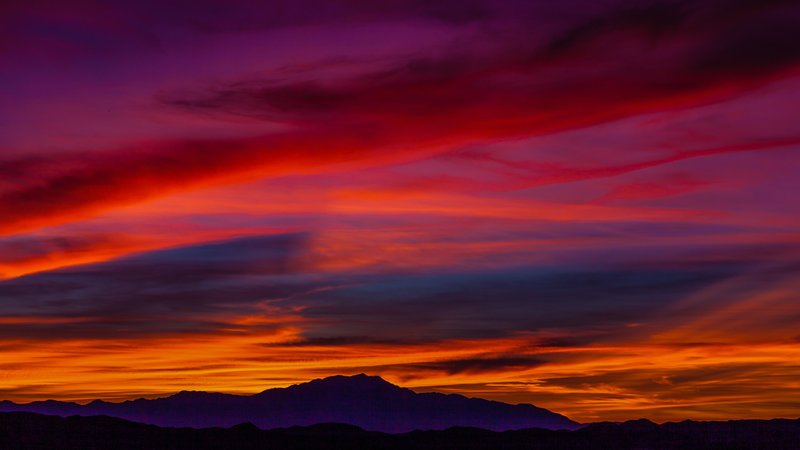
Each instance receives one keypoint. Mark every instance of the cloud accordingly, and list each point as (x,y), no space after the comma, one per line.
(195,289)
(471,365)
(207,287)
(506,87)
(338,341)
(492,304)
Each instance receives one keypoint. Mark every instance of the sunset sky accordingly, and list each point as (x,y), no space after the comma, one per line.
(588,205)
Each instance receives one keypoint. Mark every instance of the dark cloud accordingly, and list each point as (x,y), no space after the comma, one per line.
(119,327)
(161,292)
(475,365)
(753,47)
(310,340)
(336,341)
(494,304)
(459,80)
(731,39)
(651,19)
(480,365)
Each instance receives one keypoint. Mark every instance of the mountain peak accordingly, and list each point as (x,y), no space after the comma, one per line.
(344,382)
(369,402)
(188,394)
(361,378)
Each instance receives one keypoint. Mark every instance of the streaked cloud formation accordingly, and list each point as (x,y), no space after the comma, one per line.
(589,206)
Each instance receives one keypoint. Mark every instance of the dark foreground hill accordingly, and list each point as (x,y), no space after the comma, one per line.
(21,430)
(367,402)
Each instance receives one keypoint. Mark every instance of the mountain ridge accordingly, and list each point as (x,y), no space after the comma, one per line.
(369,402)
(30,430)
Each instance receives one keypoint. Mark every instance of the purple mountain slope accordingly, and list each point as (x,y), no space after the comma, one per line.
(368,402)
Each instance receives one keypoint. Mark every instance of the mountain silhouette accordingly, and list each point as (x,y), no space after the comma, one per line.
(368,402)
(23,430)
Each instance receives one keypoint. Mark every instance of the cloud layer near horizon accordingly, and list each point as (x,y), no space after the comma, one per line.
(589,206)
